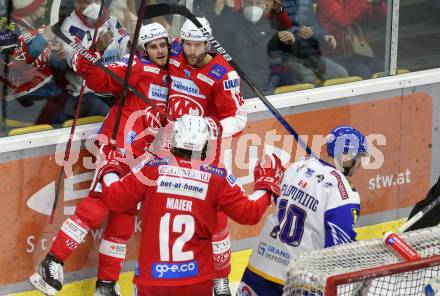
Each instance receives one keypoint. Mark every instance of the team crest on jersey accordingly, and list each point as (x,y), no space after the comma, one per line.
(212,169)
(180,104)
(232,180)
(217,71)
(187,73)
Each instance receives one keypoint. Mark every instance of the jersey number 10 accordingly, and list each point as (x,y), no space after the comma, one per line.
(179,222)
(288,218)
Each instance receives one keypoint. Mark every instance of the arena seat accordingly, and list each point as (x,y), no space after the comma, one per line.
(341,80)
(292,88)
(382,74)
(29,129)
(84,120)
(16,123)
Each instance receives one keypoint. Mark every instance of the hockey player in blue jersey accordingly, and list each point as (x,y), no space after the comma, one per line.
(317,209)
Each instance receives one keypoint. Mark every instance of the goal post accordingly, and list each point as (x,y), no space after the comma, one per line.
(366,268)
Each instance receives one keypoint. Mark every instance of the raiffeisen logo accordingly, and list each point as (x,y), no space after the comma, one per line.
(42,200)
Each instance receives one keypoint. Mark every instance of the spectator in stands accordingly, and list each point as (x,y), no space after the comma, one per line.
(253,25)
(111,42)
(125,12)
(295,52)
(29,69)
(335,16)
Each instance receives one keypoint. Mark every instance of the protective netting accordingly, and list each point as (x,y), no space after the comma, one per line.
(307,274)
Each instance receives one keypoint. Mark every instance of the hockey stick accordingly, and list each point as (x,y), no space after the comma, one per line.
(123,93)
(161,9)
(72,129)
(405,226)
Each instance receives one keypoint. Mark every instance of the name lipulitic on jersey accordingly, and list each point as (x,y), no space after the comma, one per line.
(300,196)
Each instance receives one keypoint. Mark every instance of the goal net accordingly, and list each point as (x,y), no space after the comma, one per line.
(366,268)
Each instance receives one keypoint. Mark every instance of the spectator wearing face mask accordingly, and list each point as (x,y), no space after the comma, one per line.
(111,42)
(253,23)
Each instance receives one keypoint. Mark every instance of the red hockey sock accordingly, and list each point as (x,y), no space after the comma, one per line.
(221,247)
(111,258)
(71,234)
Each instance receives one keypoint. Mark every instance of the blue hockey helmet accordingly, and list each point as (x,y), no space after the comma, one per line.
(345,139)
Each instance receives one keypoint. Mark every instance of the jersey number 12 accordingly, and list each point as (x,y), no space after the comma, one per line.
(179,222)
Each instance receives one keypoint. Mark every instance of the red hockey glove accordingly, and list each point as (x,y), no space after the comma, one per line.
(214,127)
(108,161)
(83,65)
(268,174)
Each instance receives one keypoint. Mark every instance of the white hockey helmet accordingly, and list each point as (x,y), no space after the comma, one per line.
(190,133)
(151,32)
(190,32)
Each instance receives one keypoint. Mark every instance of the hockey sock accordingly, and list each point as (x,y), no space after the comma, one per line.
(111,258)
(71,234)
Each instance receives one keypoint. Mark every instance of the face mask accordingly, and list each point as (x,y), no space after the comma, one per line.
(253,13)
(92,11)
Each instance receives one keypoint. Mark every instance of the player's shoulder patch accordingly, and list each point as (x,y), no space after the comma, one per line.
(209,168)
(341,186)
(231,84)
(157,162)
(217,71)
(232,180)
(355,213)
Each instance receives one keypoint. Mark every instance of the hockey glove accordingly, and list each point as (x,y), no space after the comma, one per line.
(108,161)
(214,127)
(82,62)
(268,174)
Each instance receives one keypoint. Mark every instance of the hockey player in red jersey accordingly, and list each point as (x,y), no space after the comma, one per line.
(204,84)
(149,77)
(180,206)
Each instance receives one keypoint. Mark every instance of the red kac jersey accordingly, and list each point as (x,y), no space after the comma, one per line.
(181,200)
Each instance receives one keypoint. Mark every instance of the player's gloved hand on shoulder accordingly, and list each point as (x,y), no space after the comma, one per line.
(268,174)
(214,127)
(82,61)
(109,165)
